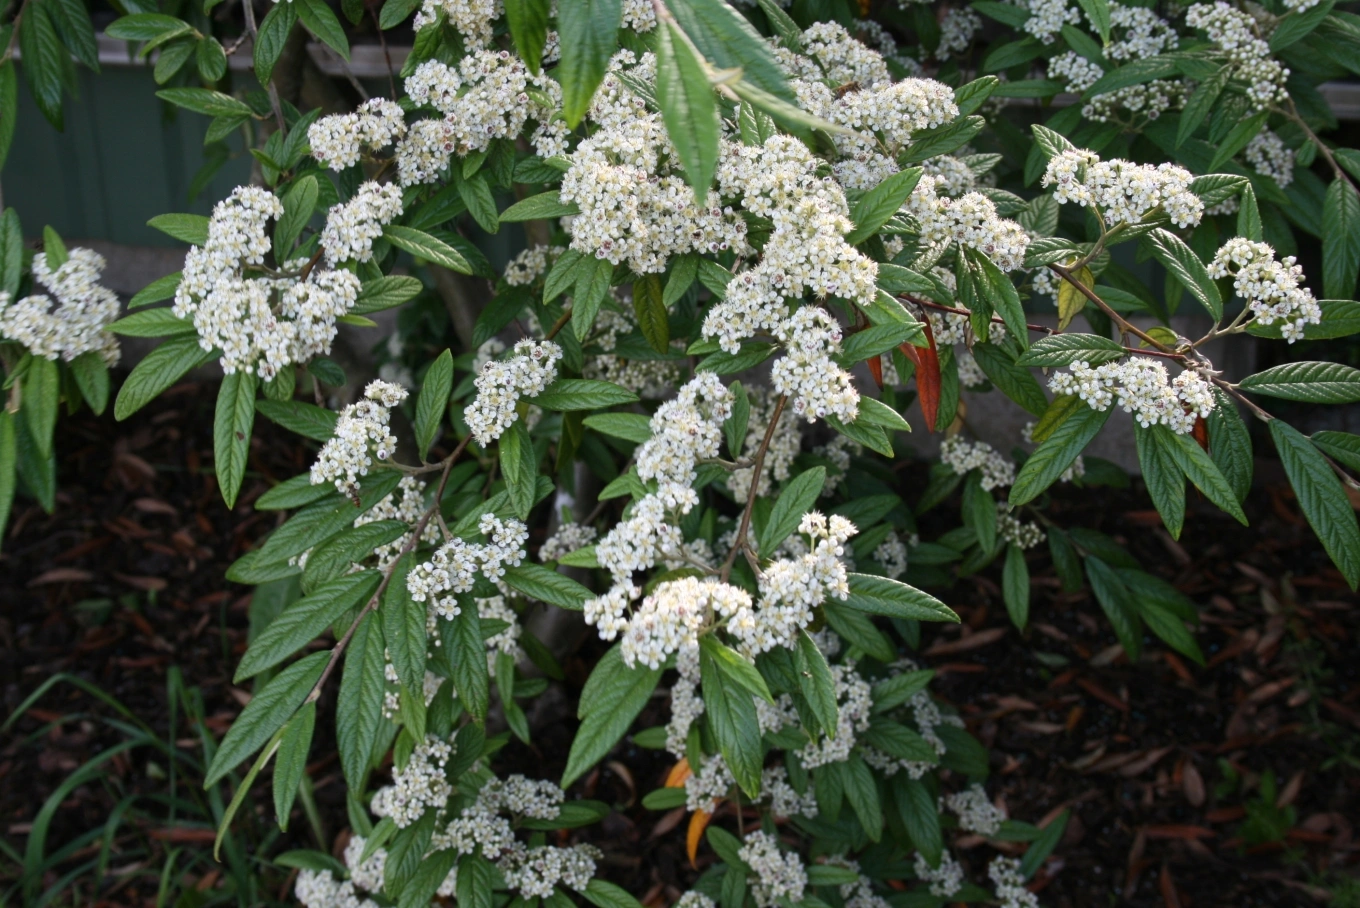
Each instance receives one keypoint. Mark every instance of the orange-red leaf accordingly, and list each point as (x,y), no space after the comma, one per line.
(697,824)
(927,360)
(678,774)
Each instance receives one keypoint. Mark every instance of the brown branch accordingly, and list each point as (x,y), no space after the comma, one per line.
(931,304)
(249,9)
(741,544)
(410,546)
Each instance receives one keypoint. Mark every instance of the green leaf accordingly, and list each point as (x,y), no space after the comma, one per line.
(1249,217)
(431,873)
(1015,586)
(433,400)
(232,425)
(897,740)
(898,690)
(544,585)
(9,456)
(1230,444)
(423,246)
(738,669)
(528,21)
(386,292)
(1237,139)
(307,420)
(162,288)
(1056,453)
(876,413)
(612,698)
(1322,498)
(160,322)
(403,622)
(543,206)
(729,41)
(920,816)
(481,204)
(206,101)
(1312,382)
(972,95)
(145,26)
(606,895)
(11,250)
(298,206)
(322,22)
(519,467)
(1170,628)
(878,205)
(731,715)
(896,279)
(334,557)
(1342,447)
(979,511)
(1043,846)
(45,60)
(882,596)
(41,401)
(688,108)
(1135,72)
(1000,291)
(265,714)
(588,32)
(1013,379)
(684,271)
(1066,349)
(816,683)
(568,394)
(1182,263)
(395,12)
(303,621)
(211,59)
(862,792)
(92,377)
(1340,318)
(188,228)
(1098,14)
(628,426)
(161,368)
(1118,605)
(468,652)
(291,762)
(1340,240)
(798,497)
(54,249)
(358,712)
(650,309)
(1200,103)
(1165,482)
(1201,470)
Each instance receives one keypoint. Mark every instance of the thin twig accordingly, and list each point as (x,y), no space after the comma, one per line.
(741,544)
(931,304)
(248,7)
(410,546)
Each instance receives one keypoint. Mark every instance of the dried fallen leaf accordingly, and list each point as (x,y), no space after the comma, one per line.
(61,575)
(1192,785)
(971,642)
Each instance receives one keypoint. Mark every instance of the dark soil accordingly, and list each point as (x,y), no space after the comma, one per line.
(1159,763)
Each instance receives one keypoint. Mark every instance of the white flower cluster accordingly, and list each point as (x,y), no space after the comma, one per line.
(83,310)
(536,872)
(320,889)
(785,801)
(859,894)
(1273,290)
(976,813)
(361,433)
(792,587)
(338,141)
(957,30)
(671,617)
(684,431)
(636,205)
(568,538)
(504,642)
(694,899)
(806,251)
(686,704)
(891,555)
(944,880)
(261,324)
(970,220)
(840,57)
(486,98)
(408,509)
(418,786)
(1010,884)
(1124,192)
(470,18)
(1141,385)
(1144,33)
(639,15)
(963,456)
(1010,528)
(780,875)
(1270,157)
(709,786)
(1235,33)
(1149,99)
(453,566)
(1048,17)
(893,112)
(351,227)
(818,386)
(501,383)
(531,264)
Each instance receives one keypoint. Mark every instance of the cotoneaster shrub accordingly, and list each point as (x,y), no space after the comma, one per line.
(752,237)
